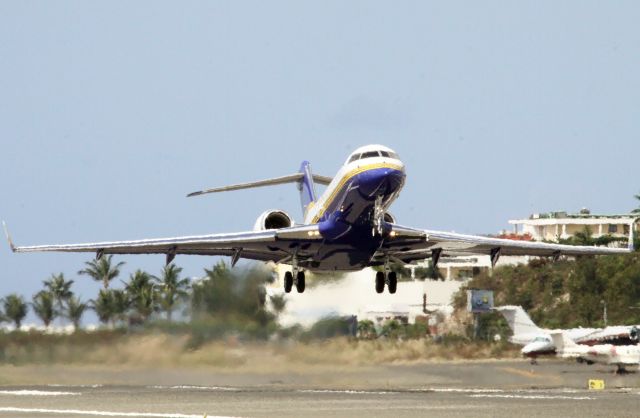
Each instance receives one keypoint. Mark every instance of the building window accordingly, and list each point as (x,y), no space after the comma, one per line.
(613,229)
(625,229)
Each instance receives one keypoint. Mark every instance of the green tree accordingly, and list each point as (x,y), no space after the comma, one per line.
(141,292)
(60,289)
(172,289)
(120,304)
(637,210)
(103,305)
(367,330)
(102,270)
(235,293)
(15,309)
(75,310)
(43,306)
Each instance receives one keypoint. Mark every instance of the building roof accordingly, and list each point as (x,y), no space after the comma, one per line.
(584,217)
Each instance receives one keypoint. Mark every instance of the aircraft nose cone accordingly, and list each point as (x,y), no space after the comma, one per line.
(381,181)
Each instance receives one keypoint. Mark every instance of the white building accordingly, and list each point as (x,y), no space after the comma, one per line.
(554,226)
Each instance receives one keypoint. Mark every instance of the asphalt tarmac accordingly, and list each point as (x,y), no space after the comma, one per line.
(451,389)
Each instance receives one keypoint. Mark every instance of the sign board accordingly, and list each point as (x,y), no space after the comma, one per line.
(596,384)
(479,301)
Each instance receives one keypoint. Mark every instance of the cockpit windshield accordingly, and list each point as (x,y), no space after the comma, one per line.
(371,154)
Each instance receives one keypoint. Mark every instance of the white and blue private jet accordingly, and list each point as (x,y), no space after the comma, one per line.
(346,228)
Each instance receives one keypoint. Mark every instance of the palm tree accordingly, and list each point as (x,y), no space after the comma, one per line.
(101,270)
(43,306)
(103,306)
(141,292)
(638,209)
(15,308)
(120,303)
(172,288)
(60,290)
(75,310)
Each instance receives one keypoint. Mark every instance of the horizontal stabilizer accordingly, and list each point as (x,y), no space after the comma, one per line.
(6,232)
(292,178)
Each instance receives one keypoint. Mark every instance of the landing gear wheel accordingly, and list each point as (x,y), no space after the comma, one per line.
(300,281)
(288,282)
(392,282)
(379,282)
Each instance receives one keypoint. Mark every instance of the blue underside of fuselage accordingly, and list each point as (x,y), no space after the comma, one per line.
(348,221)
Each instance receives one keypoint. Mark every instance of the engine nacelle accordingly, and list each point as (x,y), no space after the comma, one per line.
(273,219)
(389,218)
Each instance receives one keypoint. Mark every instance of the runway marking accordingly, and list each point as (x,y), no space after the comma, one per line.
(38,393)
(458,390)
(346,391)
(105,413)
(189,387)
(508,396)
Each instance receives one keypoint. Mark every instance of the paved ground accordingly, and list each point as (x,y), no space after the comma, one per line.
(453,389)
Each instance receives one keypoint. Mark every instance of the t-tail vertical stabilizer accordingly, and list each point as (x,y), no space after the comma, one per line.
(306,187)
(518,320)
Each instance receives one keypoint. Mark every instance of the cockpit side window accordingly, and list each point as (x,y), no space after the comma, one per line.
(353,158)
(394,155)
(384,153)
(370,154)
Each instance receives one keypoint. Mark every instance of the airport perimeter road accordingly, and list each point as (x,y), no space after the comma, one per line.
(553,389)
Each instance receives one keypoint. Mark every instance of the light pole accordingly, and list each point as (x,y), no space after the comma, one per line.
(604,311)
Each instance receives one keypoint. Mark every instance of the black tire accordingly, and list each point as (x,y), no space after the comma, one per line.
(379,282)
(300,282)
(288,282)
(392,285)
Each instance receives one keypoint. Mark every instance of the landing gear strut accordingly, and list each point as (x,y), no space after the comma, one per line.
(378,217)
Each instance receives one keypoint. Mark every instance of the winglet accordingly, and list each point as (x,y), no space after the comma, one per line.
(6,232)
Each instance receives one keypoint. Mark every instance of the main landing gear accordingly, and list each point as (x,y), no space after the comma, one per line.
(390,279)
(299,281)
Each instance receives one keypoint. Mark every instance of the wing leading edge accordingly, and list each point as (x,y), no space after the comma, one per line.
(410,244)
(270,245)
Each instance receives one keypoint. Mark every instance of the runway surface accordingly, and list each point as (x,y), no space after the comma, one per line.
(476,389)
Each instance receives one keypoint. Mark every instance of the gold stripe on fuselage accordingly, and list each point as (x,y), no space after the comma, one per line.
(346,178)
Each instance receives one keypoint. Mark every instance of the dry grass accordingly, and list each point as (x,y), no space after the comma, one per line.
(166,350)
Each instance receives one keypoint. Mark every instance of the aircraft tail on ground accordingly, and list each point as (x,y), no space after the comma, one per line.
(519,321)
(561,341)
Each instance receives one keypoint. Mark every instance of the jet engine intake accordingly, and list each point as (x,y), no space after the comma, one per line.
(273,219)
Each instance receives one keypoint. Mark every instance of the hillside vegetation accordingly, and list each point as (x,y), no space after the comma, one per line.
(567,293)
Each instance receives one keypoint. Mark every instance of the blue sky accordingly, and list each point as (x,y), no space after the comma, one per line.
(111,112)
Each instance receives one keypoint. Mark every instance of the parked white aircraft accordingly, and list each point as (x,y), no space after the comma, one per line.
(347,228)
(537,341)
(619,355)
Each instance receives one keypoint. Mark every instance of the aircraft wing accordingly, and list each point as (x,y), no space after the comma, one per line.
(408,244)
(271,245)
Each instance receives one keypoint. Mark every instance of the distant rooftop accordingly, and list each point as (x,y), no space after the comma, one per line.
(583,214)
